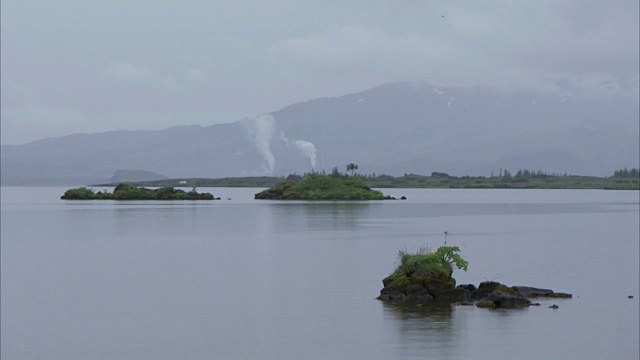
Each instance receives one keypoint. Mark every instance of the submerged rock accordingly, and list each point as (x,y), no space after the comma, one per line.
(505,301)
(456,295)
(531,292)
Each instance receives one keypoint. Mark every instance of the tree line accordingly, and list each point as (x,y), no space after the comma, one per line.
(503,174)
(626,173)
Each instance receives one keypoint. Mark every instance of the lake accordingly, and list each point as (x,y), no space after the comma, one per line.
(245,279)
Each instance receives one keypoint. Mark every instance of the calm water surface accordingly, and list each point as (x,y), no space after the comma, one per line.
(246,279)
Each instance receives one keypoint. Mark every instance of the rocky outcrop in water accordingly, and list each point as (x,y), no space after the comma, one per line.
(424,277)
(488,294)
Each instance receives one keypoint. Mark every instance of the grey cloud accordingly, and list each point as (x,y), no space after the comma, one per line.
(256,57)
(128,71)
(195,75)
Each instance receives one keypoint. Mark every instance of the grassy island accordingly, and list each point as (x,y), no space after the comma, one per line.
(322,187)
(130,192)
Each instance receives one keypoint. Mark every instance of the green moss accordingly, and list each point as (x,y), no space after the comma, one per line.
(425,269)
(507,290)
(398,278)
(429,270)
(487,287)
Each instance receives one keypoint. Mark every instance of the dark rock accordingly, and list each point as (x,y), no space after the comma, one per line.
(416,290)
(508,301)
(554,306)
(466,303)
(455,295)
(472,288)
(403,198)
(485,303)
(418,299)
(561,295)
(412,295)
(531,292)
(392,294)
(630,296)
(391,290)
(420,286)
(488,287)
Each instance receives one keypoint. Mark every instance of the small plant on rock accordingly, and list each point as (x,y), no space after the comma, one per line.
(449,255)
(429,269)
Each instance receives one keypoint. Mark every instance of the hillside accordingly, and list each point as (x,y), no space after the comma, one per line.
(394,129)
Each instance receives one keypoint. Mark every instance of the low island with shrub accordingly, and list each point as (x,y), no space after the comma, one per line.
(315,186)
(130,192)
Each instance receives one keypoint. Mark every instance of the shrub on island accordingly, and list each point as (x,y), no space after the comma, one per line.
(322,187)
(130,192)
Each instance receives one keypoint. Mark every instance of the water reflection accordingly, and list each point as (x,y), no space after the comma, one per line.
(435,317)
(434,330)
(323,215)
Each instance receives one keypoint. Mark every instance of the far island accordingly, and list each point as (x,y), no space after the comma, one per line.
(130,192)
(622,179)
(315,186)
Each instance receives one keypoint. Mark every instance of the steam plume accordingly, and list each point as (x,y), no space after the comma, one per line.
(263,130)
(306,147)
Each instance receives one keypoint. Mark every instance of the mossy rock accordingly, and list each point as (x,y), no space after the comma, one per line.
(487,304)
(424,276)
(433,280)
(488,287)
(398,279)
(430,279)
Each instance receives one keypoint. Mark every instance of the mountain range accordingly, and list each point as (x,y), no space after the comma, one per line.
(409,127)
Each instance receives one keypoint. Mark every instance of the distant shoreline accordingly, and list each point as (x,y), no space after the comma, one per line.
(412,181)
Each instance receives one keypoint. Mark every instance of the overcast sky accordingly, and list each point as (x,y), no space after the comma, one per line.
(92,66)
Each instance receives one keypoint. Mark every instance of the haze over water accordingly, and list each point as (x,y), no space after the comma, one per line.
(240,278)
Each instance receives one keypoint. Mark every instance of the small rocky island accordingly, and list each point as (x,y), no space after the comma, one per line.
(315,186)
(425,278)
(130,192)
